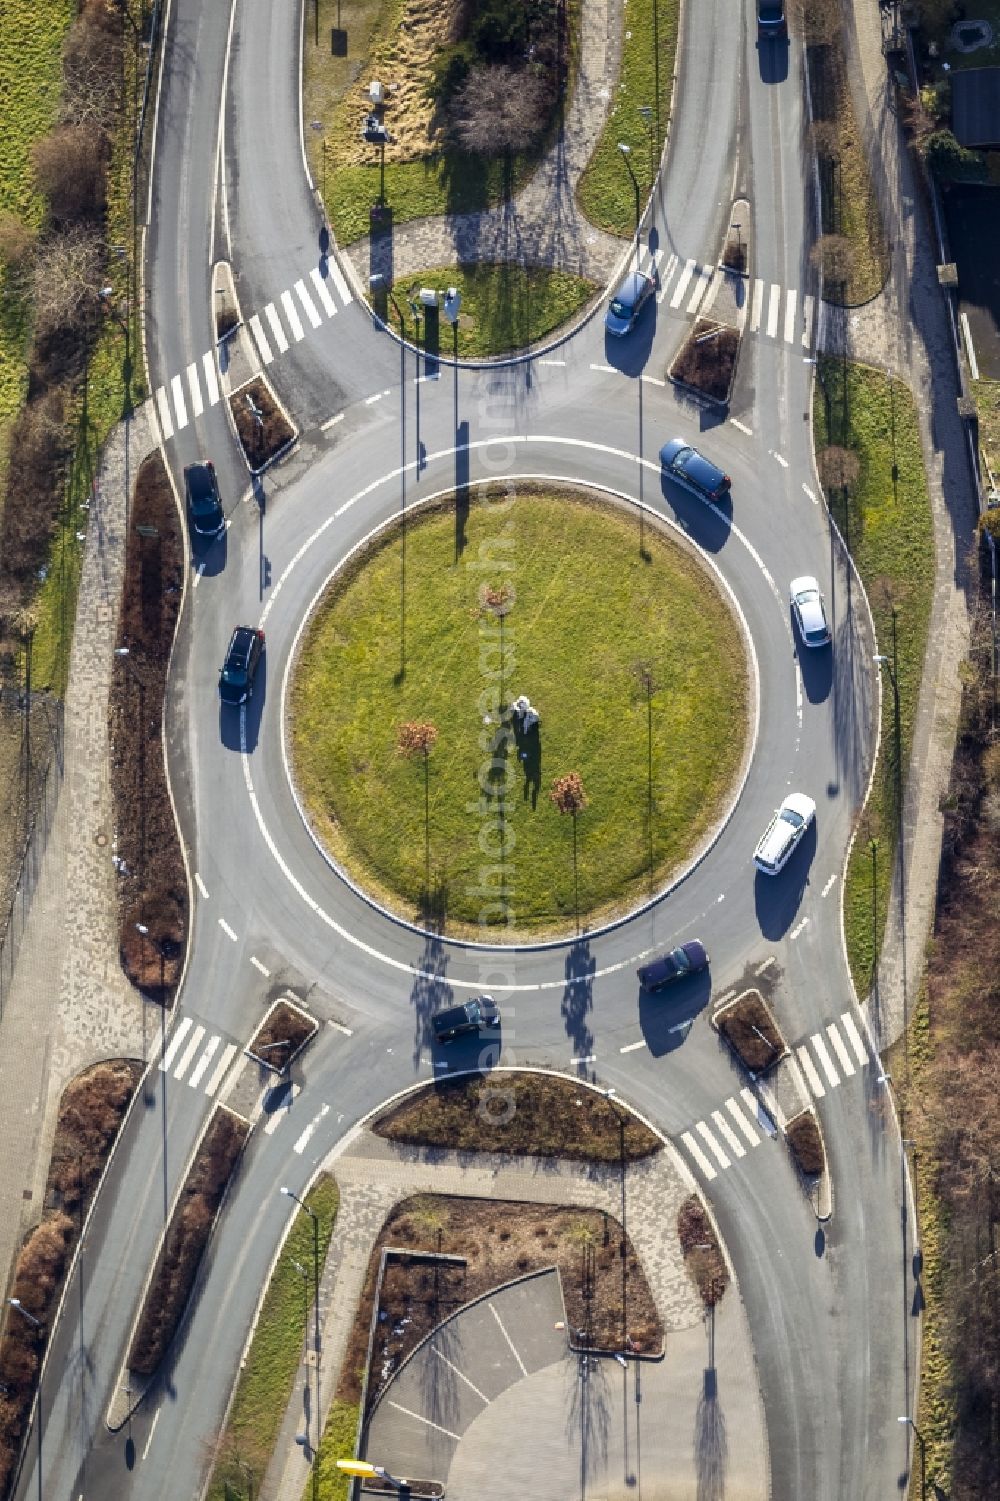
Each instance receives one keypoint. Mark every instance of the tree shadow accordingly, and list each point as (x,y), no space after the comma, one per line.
(588,1419)
(429,992)
(578,996)
(711,1449)
(529,753)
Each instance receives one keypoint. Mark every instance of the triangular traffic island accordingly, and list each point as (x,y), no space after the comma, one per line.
(705,366)
(285,1031)
(747,1025)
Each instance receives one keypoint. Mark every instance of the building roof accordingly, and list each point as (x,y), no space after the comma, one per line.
(975,106)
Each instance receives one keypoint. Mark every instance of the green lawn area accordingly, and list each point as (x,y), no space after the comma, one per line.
(605,192)
(892,541)
(589,613)
(987,398)
(504,307)
(337,1443)
(266,1380)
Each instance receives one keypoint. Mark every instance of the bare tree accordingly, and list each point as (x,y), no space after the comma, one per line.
(417,738)
(500,109)
(69,164)
(66,281)
(834,256)
(825,139)
(838,467)
(569,797)
(92,73)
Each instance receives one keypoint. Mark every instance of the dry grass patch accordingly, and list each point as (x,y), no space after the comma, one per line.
(702,1253)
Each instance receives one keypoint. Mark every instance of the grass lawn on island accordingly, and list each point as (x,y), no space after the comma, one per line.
(589,616)
(504,307)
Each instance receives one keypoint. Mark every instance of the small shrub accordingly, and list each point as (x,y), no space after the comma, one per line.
(951,161)
(69,164)
(16,242)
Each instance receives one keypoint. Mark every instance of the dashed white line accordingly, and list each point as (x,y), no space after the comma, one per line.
(220,1069)
(605,369)
(513,1347)
(557,363)
(809,1069)
(292,314)
(631,1047)
(277,1116)
(798,928)
(277,327)
(781,460)
(197,405)
(653,380)
(199,570)
(227,929)
(766,965)
(201,1067)
(822,1053)
(854,1038)
(202,888)
(257,329)
(827,888)
(840,1050)
(303,1140)
(211,379)
(322,293)
(183,1028)
(257,965)
(339,1027)
(590,1058)
(149,1440)
(806,491)
(311,310)
(698,1155)
(189,1052)
(798,694)
(370,400)
(331,421)
(742,426)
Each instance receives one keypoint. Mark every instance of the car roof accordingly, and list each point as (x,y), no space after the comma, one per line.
(200,480)
(632,288)
(702,469)
(243,637)
(800,803)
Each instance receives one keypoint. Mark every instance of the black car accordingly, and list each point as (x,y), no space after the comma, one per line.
(692,470)
(240,666)
(771,19)
(687,959)
(470,1016)
(204,506)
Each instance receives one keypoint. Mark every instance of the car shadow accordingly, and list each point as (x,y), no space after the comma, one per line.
(816,667)
(208,554)
(239,725)
(707,522)
(778,898)
(772,59)
(666,1016)
(630,354)
(479,1052)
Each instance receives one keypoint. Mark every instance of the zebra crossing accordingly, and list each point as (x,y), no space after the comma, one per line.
(712,1144)
(692,288)
(184,397)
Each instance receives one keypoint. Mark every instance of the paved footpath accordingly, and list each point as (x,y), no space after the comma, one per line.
(374,1174)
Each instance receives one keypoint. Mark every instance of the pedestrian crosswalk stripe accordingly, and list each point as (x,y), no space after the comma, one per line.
(701,283)
(163,408)
(773,305)
(197,405)
(201,1067)
(699,1156)
(733,1106)
(809,1069)
(757,1110)
(183,1028)
(189,1052)
(329,306)
(277,328)
(820,1049)
(735,1145)
(308,304)
(220,1068)
(713,1145)
(713,290)
(180,409)
(336,276)
(257,329)
(808,309)
(790,300)
(758,302)
(211,380)
(840,1050)
(666,278)
(682,285)
(291,313)
(303,1141)
(277,1116)
(854,1038)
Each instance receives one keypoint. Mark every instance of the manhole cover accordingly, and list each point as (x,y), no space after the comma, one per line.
(969,36)
(100,840)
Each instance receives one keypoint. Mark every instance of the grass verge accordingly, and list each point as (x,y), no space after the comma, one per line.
(605,191)
(987,398)
(646,700)
(338,1441)
(885,519)
(268,1374)
(505,307)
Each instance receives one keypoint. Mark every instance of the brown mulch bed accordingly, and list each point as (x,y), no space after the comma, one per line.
(806,1144)
(516,1114)
(734,254)
(499,1241)
(186,1238)
(152,888)
(707,359)
(261,442)
(702,1254)
(90,1114)
(283,1034)
(751,1031)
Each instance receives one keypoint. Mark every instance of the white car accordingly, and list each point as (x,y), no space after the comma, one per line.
(784,833)
(810,616)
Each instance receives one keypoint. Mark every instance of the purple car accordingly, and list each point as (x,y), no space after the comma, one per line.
(687,959)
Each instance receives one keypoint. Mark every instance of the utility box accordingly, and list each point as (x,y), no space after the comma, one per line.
(376,92)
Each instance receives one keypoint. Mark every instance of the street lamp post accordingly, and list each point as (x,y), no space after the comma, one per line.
(923,1455)
(626,152)
(890,665)
(647,115)
(362,1469)
(26,1313)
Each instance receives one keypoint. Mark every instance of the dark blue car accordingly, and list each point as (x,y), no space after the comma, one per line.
(686,959)
(689,467)
(627,303)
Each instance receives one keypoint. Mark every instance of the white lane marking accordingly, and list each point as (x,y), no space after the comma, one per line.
(163,408)
(202,888)
(336,276)
(799,926)
(684,1026)
(970,351)
(332,421)
(820,1049)
(782,461)
(277,327)
(735,1145)
(773,306)
(419,380)
(460,1374)
(790,301)
(370,400)
(653,380)
(149,1440)
(183,1029)
(706,1132)
(513,1348)
(605,369)
(766,965)
(177,391)
(419,1418)
(227,929)
(809,1069)
(742,426)
(829,885)
(806,491)
(717,275)
(303,1140)
(700,288)
(631,1047)
(682,283)
(220,1069)
(257,329)
(257,965)
(758,300)
(292,314)
(277,1116)
(840,1050)
(798,698)
(590,1058)
(733,1106)
(808,313)
(339,1027)
(699,1156)
(211,379)
(854,1038)
(310,307)
(757,1110)
(560,364)
(197,406)
(201,1067)
(197,575)
(185,1062)
(666,278)
(329,306)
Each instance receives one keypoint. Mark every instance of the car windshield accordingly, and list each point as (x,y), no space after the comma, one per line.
(620,309)
(680,960)
(234,674)
(806,597)
(474,1012)
(200,484)
(769,10)
(789,815)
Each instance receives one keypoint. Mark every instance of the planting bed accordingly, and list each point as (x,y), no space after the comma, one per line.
(706,363)
(806,1144)
(260,441)
(702,1254)
(748,1027)
(284,1033)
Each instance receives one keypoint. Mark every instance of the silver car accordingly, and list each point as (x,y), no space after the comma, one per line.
(810,616)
